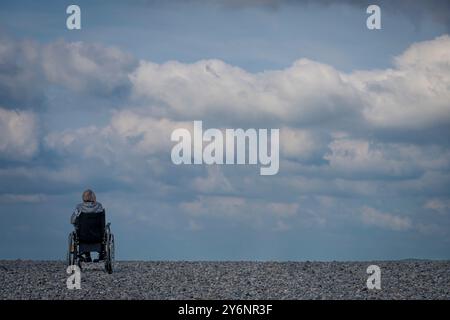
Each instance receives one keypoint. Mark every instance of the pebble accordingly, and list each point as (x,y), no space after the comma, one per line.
(22,279)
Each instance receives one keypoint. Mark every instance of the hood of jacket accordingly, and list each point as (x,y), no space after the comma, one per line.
(89,207)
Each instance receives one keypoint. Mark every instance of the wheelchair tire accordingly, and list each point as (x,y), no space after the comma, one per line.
(108,267)
(109,251)
(72,255)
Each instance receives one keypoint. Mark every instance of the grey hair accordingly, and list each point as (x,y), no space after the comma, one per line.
(89,196)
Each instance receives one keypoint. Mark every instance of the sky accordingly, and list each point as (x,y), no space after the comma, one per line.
(363,115)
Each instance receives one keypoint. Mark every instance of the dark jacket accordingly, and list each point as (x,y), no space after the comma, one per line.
(85,207)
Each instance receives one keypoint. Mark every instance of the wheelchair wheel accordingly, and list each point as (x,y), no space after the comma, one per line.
(72,255)
(109,252)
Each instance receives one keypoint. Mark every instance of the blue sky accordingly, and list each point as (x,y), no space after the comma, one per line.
(363,115)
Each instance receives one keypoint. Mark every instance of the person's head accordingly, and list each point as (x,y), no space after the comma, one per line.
(89,196)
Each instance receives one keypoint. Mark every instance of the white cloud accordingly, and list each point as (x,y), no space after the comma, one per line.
(362,159)
(147,134)
(299,144)
(86,67)
(127,133)
(353,156)
(415,94)
(21,80)
(255,213)
(215,206)
(212,88)
(441,206)
(412,95)
(235,206)
(373,217)
(283,209)
(323,114)
(132,149)
(28,68)
(214,182)
(18,134)
(429,54)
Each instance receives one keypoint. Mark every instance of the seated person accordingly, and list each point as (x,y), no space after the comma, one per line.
(88,205)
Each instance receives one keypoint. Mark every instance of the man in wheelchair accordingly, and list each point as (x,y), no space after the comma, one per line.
(90,234)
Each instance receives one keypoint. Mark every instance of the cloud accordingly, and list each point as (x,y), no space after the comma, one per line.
(21,80)
(131,151)
(253,212)
(127,132)
(85,67)
(28,69)
(362,158)
(373,217)
(301,144)
(18,134)
(411,96)
(215,206)
(331,122)
(215,90)
(214,182)
(330,143)
(441,206)
(334,126)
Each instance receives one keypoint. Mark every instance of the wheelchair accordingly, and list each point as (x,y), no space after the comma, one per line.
(91,234)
